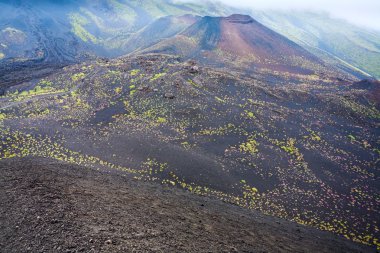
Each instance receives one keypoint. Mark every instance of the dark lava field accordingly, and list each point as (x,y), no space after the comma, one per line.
(296,146)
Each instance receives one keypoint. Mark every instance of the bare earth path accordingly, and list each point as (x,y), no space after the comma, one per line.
(47,206)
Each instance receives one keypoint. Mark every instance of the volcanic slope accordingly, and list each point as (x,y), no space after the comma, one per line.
(162,28)
(76,209)
(327,36)
(306,151)
(61,31)
(38,37)
(240,41)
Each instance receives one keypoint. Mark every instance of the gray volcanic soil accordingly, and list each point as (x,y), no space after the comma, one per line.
(47,206)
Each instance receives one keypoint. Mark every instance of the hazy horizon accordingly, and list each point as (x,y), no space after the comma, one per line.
(363,13)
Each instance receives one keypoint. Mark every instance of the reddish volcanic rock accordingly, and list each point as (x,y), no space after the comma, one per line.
(241,41)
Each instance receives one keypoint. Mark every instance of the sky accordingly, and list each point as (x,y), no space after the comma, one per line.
(360,12)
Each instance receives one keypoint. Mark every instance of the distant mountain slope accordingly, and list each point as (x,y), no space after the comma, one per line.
(162,28)
(62,31)
(37,37)
(242,41)
(328,37)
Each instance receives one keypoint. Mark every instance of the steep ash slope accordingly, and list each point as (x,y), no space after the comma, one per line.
(47,206)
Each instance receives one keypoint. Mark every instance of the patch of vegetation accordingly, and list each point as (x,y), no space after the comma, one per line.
(250,194)
(186,145)
(351,138)
(250,146)
(313,136)
(290,147)
(37,91)
(118,90)
(194,83)
(161,120)
(77,23)
(2,116)
(152,166)
(78,76)
(220,100)
(223,130)
(19,144)
(134,72)
(44,82)
(248,114)
(157,76)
